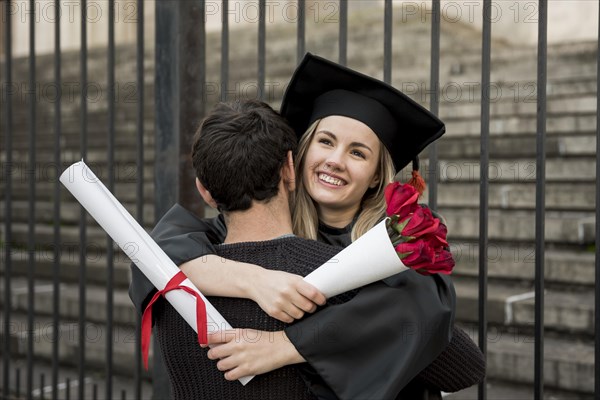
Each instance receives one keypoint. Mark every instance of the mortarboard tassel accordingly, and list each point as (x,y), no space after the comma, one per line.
(417,180)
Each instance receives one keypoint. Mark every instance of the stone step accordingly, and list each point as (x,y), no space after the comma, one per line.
(516,90)
(500,390)
(459,100)
(123,387)
(516,262)
(558,145)
(559,196)
(521,61)
(124,313)
(563,227)
(70,265)
(568,362)
(515,170)
(69,211)
(571,312)
(125,174)
(563,123)
(125,191)
(69,347)
(124,153)
(97,135)
(125,103)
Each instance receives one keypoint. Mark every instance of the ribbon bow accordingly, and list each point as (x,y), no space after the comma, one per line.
(201,321)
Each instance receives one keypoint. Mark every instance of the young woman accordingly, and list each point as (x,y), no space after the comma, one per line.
(359,131)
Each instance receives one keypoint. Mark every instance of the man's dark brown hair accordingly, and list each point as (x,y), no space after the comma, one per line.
(238,153)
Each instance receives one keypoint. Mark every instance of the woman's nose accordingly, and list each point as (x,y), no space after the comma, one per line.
(335,161)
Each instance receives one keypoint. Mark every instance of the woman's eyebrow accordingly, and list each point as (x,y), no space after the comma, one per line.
(328,133)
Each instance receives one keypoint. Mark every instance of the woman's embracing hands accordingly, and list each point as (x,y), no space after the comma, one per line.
(281,295)
(284,296)
(245,352)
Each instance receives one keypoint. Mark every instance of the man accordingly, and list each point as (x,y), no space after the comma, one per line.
(243,160)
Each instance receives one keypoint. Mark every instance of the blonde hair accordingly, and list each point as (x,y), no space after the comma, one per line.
(305,219)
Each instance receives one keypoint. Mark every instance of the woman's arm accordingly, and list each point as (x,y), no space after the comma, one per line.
(189,242)
(281,295)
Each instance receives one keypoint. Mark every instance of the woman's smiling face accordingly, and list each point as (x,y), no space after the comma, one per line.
(341,164)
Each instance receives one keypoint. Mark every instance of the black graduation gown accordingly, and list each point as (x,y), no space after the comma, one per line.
(354,348)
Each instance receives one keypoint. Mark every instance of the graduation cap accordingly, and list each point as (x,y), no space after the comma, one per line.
(320,88)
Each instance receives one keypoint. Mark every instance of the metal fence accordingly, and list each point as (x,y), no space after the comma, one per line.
(178,107)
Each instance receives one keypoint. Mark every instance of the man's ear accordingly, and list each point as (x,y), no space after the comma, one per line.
(205,194)
(288,173)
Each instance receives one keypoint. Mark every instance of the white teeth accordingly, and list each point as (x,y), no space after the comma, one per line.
(330,179)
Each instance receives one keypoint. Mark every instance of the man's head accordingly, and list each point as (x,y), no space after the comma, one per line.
(239,152)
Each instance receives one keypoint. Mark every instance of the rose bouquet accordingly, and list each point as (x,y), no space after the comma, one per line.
(409,238)
(417,235)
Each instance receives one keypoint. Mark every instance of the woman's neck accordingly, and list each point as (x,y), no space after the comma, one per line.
(337,218)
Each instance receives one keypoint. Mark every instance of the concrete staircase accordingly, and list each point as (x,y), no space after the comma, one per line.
(570,201)
(569,219)
(46,172)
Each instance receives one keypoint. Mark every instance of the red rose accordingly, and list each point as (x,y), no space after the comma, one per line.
(443,264)
(401,199)
(437,239)
(421,223)
(416,255)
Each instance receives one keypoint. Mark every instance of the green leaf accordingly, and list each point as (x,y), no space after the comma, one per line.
(400,226)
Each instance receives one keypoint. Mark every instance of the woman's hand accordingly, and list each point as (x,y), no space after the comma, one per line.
(284,296)
(244,352)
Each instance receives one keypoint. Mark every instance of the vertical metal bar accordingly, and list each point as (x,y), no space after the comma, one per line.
(42,386)
(540,200)
(31,211)
(57,236)
(387,41)
(18,383)
(484,182)
(7,199)
(68,389)
(434,102)
(110,268)
(180,81)
(192,102)
(166,174)
(261,48)
(140,181)
(82,214)
(124,394)
(225,50)
(301,33)
(343,35)
(597,237)
(597,285)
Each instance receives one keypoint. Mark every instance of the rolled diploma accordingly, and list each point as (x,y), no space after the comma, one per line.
(369,259)
(137,244)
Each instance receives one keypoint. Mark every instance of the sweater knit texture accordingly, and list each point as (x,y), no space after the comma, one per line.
(192,374)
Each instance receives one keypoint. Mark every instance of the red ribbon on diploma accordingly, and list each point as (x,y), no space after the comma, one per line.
(201,321)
